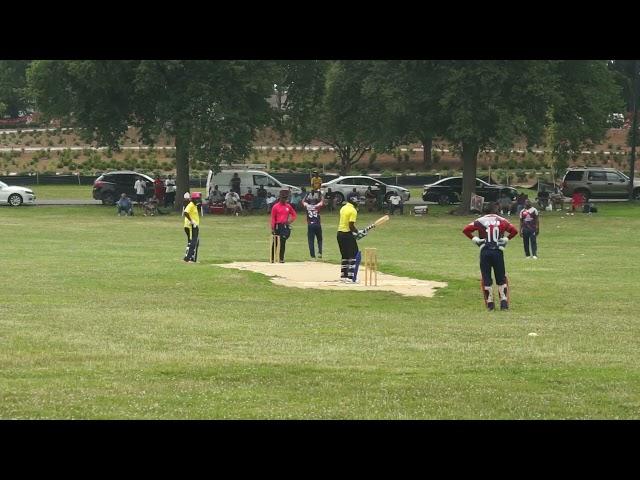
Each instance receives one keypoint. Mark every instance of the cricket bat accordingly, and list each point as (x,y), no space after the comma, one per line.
(377,223)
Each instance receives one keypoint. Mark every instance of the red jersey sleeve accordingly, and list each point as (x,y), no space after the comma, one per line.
(509,228)
(469,229)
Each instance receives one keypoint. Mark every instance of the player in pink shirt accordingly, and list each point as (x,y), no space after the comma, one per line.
(282,215)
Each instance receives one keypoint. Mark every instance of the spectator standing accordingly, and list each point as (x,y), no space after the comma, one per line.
(395,203)
(520,202)
(235,183)
(170,191)
(382,193)
(316,181)
(261,197)
(577,201)
(140,187)
(505,204)
(330,200)
(370,199)
(282,216)
(158,189)
(296,198)
(124,205)
(270,201)
(314,228)
(529,229)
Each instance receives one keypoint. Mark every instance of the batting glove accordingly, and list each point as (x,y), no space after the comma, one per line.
(477,240)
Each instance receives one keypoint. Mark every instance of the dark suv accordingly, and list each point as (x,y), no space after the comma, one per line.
(109,186)
(598,182)
(449,190)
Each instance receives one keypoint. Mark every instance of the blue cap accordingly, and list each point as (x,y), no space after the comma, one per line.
(352,197)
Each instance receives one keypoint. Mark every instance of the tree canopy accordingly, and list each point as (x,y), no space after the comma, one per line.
(13,97)
(212,108)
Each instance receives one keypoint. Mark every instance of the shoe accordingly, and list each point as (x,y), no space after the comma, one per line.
(313,257)
(491,306)
(319,255)
(281,261)
(345,280)
(527,257)
(504,305)
(534,257)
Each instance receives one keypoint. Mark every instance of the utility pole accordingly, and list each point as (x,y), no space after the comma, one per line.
(634,127)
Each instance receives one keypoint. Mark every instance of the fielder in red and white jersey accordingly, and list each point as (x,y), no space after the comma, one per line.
(491,239)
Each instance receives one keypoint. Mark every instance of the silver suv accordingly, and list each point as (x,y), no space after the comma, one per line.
(598,182)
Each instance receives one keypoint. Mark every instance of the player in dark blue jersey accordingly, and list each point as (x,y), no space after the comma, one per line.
(491,229)
(314,227)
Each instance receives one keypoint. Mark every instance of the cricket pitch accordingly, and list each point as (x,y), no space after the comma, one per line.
(325,276)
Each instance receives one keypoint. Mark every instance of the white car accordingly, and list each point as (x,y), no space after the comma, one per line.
(344,185)
(16,196)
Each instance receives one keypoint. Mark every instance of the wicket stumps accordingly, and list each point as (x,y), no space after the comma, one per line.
(371,266)
(274,249)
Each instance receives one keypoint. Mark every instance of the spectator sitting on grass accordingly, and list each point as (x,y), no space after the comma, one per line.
(248,200)
(232,203)
(151,207)
(124,205)
(215,195)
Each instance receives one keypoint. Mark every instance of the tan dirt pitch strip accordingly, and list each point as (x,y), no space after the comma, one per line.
(325,276)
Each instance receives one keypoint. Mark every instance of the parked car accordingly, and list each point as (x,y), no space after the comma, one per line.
(598,182)
(449,190)
(109,186)
(248,179)
(16,196)
(344,185)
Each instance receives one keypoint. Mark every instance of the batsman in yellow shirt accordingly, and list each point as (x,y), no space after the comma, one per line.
(348,235)
(191,228)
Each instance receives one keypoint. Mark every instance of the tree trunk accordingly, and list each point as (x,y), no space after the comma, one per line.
(469,170)
(634,128)
(345,160)
(182,169)
(427,146)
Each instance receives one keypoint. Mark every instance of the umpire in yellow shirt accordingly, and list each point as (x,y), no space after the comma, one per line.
(348,235)
(191,228)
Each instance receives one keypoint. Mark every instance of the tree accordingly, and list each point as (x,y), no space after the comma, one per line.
(408,90)
(493,104)
(627,75)
(13,98)
(327,101)
(211,108)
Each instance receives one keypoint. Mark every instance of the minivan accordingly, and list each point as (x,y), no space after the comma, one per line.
(248,179)
(109,186)
(598,182)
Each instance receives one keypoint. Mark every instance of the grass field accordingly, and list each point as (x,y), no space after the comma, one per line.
(100,319)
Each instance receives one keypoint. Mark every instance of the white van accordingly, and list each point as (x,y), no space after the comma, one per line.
(248,179)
